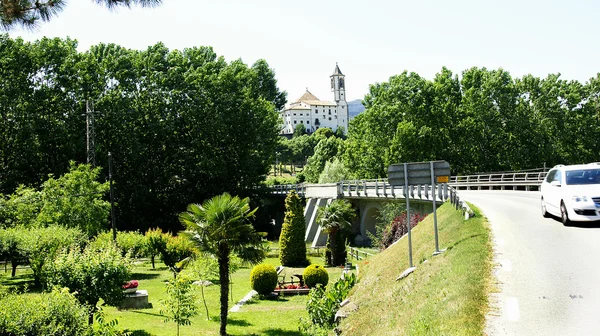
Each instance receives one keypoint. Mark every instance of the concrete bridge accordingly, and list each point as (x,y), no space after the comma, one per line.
(366,196)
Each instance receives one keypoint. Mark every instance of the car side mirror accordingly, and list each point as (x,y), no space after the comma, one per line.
(555,184)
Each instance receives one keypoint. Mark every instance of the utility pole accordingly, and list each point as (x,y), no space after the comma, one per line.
(90,134)
(112,199)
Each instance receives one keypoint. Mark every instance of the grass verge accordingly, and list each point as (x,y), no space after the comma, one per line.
(445,295)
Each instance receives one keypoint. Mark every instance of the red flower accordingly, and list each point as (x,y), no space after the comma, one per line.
(131,284)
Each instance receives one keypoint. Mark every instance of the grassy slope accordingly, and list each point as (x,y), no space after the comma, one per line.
(447,295)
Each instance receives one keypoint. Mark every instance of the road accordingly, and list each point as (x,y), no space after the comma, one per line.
(548,275)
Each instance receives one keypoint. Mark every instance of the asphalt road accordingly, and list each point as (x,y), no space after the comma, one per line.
(548,275)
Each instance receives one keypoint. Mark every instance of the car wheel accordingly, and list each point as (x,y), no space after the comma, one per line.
(544,211)
(564,215)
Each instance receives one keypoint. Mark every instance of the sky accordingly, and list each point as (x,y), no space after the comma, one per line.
(370,40)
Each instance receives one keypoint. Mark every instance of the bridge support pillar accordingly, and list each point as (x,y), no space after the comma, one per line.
(312,228)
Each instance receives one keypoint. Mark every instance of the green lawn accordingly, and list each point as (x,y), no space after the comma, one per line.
(445,295)
(258,317)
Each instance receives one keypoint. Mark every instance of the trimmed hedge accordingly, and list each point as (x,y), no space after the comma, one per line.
(263,278)
(315,274)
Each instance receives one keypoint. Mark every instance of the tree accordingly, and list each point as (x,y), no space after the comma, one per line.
(325,151)
(12,247)
(156,241)
(299,130)
(292,248)
(43,244)
(28,13)
(334,172)
(221,227)
(335,218)
(94,274)
(180,305)
(176,251)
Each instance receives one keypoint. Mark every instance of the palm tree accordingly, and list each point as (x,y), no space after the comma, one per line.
(334,218)
(221,227)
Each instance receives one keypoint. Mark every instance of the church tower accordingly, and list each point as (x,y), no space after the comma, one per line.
(338,86)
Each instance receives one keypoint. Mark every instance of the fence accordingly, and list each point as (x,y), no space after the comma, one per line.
(358,254)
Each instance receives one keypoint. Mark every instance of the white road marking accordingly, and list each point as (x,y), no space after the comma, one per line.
(512,309)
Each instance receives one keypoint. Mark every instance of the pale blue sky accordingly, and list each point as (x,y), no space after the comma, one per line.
(371,41)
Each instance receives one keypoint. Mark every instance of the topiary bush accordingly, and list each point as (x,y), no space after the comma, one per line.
(315,274)
(263,278)
(291,241)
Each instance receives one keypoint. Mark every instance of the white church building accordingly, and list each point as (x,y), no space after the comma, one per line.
(314,113)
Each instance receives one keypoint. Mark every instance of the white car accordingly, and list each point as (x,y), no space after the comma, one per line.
(572,193)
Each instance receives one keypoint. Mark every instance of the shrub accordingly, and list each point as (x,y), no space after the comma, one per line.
(315,274)
(392,225)
(131,242)
(263,278)
(95,273)
(322,305)
(43,244)
(12,248)
(177,249)
(291,241)
(55,313)
(156,241)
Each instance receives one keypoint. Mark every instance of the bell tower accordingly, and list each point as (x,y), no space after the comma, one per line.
(338,86)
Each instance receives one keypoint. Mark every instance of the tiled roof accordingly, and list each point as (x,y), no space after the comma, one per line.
(306,96)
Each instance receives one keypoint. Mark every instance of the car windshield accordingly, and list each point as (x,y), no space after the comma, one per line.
(583,176)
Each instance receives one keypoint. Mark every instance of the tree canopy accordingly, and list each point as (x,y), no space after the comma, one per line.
(29,13)
(182,125)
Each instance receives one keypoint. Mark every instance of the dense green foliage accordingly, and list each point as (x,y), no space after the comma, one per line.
(12,247)
(94,274)
(182,125)
(322,305)
(73,200)
(130,243)
(315,274)
(42,245)
(176,250)
(292,250)
(325,150)
(392,224)
(485,121)
(156,242)
(263,278)
(335,219)
(334,172)
(180,305)
(54,313)
(221,227)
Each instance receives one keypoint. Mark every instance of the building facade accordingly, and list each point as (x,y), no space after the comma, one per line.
(313,113)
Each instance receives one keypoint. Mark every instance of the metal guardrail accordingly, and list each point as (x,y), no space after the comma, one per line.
(513,180)
(284,189)
(380,188)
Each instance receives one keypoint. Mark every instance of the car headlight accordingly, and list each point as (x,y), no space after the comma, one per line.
(580,198)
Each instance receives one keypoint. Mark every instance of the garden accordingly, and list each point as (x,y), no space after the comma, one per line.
(64,275)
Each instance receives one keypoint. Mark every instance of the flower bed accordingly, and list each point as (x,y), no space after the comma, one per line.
(291,289)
